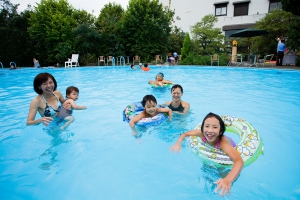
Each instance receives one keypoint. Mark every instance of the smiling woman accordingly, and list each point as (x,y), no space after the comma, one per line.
(177,105)
(46,102)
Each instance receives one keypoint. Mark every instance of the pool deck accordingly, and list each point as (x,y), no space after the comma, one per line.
(267,66)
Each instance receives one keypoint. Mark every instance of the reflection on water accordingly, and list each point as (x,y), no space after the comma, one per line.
(58,137)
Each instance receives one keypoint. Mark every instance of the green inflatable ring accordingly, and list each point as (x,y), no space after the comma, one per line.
(250,145)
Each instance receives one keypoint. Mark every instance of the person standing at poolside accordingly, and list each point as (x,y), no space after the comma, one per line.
(177,105)
(280,52)
(47,100)
(175,55)
(36,63)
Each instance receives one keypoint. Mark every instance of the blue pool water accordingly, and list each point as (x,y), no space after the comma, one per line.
(97,158)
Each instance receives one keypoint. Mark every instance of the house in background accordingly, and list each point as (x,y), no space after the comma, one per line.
(233,15)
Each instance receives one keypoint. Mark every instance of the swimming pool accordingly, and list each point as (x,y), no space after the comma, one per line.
(97,158)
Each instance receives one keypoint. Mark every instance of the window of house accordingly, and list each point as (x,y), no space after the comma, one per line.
(221,9)
(275,5)
(241,9)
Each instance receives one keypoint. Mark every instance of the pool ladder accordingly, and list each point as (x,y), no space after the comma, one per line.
(121,61)
(1,65)
(14,64)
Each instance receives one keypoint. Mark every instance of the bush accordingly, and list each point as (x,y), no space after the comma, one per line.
(194,59)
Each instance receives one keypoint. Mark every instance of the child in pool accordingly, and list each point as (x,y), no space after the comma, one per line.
(145,68)
(72,94)
(212,131)
(159,80)
(150,104)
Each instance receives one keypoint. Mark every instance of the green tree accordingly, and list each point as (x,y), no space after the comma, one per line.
(109,25)
(13,33)
(275,23)
(293,27)
(51,26)
(146,28)
(291,6)
(187,47)
(208,40)
(176,40)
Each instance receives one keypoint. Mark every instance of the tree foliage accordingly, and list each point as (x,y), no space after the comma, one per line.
(291,6)
(109,25)
(187,46)
(293,27)
(208,39)
(13,33)
(146,28)
(276,24)
(176,40)
(51,25)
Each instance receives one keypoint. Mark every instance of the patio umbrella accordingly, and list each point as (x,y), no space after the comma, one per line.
(248,33)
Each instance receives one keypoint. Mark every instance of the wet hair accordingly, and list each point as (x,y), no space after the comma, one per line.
(40,79)
(222,125)
(70,89)
(148,98)
(145,65)
(160,74)
(132,66)
(176,86)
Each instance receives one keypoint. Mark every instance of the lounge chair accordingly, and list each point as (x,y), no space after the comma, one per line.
(73,61)
(101,59)
(268,59)
(255,61)
(214,59)
(110,59)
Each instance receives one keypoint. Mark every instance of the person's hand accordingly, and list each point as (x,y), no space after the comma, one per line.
(46,120)
(67,105)
(224,185)
(175,148)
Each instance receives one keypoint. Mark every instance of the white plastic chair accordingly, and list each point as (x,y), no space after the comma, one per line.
(73,61)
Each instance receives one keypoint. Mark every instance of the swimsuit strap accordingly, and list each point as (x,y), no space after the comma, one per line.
(217,143)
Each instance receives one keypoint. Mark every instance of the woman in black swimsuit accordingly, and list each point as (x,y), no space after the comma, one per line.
(177,105)
(47,100)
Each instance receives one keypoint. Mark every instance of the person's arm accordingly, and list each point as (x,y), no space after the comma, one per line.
(238,163)
(33,109)
(177,146)
(65,104)
(186,107)
(74,106)
(166,110)
(167,81)
(134,120)
(150,82)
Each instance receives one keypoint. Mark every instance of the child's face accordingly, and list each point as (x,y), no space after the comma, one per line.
(159,78)
(73,95)
(150,107)
(211,129)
